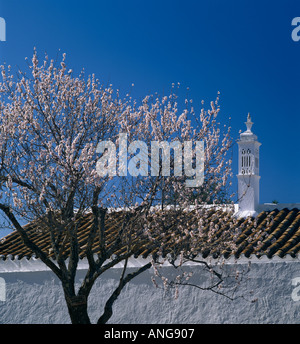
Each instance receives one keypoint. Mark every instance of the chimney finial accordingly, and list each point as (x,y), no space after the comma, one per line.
(249,123)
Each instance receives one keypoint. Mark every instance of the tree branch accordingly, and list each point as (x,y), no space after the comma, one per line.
(123,281)
(30,244)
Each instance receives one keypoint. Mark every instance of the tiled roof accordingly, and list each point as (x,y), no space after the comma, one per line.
(271,233)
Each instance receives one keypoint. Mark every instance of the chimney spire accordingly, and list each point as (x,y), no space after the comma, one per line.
(248,173)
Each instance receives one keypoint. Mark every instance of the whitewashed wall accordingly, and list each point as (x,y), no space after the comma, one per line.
(36,297)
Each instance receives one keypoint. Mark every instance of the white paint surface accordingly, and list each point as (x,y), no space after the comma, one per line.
(36,297)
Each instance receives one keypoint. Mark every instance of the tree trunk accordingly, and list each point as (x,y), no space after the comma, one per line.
(77,307)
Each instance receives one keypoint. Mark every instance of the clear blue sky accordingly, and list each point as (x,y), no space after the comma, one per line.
(241,48)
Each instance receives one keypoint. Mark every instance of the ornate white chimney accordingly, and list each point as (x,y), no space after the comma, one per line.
(248,173)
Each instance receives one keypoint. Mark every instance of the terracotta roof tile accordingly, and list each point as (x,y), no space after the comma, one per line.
(271,233)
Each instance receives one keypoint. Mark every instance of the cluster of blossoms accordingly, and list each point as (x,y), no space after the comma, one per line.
(50,126)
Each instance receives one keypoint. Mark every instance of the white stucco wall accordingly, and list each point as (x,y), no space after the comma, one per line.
(36,297)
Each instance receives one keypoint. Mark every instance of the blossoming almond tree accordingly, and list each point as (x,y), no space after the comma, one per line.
(50,171)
